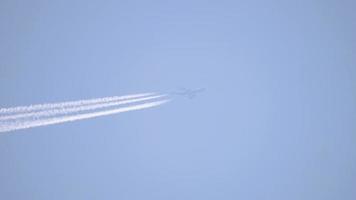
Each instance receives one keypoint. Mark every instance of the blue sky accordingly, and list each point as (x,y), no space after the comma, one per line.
(277,120)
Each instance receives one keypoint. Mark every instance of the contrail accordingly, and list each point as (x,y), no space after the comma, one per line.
(69,103)
(70,118)
(80,108)
(76,110)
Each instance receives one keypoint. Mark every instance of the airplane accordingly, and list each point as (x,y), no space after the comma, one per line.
(190,93)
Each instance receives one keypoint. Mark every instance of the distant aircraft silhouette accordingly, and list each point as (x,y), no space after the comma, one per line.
(189,92)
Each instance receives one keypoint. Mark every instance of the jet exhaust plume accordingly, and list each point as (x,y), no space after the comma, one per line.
(69,103)
(47,114)
(71,109)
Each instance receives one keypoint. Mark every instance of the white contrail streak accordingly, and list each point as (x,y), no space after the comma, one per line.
(80,108)
(69,118)
(69,103)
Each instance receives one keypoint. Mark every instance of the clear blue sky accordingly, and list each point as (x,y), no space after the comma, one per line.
(277,120)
